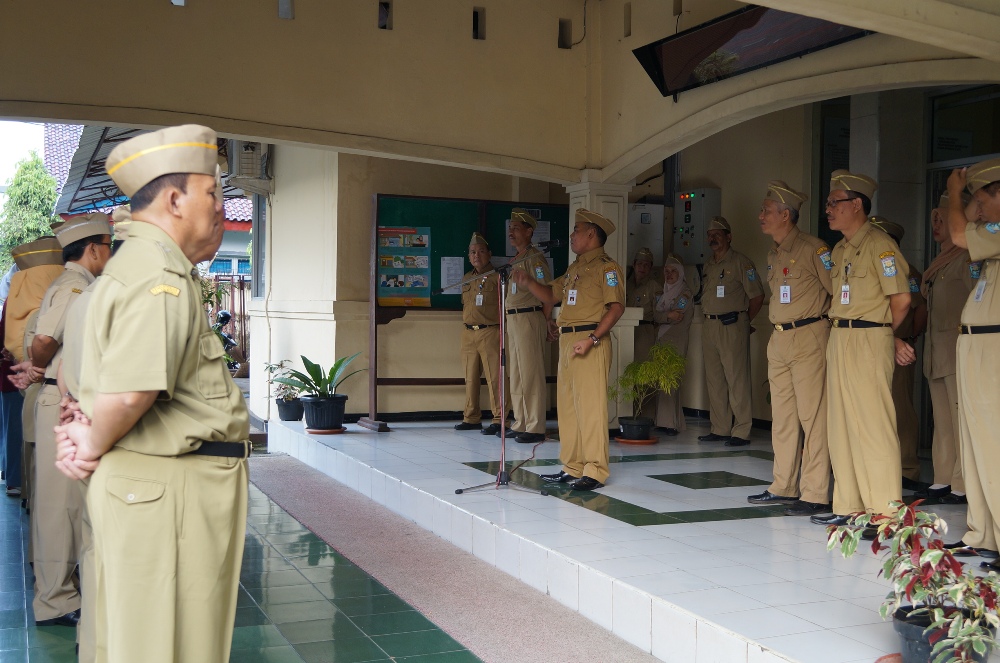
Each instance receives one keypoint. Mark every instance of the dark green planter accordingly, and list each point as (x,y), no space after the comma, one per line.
(324,412)
(289,410)
(635,428)
(915,643)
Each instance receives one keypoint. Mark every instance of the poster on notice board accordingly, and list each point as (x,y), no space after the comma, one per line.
(404,267)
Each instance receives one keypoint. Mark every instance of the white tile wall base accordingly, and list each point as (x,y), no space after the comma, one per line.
(654,624)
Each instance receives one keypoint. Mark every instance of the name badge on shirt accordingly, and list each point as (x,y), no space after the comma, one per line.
(720,291)
(513,288)
(571,298)
(479,299)
(785,294)
(845,294)
(980,289)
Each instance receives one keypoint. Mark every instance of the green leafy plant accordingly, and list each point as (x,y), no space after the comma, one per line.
(661,371)
(316,381)
(280,391)
(961,606)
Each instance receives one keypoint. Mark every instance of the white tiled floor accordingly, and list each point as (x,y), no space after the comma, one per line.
(760,590)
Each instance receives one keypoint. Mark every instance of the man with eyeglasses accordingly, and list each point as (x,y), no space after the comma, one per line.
(57,514)
(871,296)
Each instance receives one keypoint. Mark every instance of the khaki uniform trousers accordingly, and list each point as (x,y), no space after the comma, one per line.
(906,420)
(481,357)
(168,546)
(861,420)
(945,450)
(526,364)
(726,351)
(978,380)
(28,457)
(57,518)
(796,370)
(582,401)
(645,338)
(86,635)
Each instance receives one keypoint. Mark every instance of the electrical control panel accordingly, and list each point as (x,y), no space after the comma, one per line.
(692,211)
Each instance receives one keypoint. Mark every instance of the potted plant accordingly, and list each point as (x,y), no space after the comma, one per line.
(942,611)
(662,370)
(285,396)
(323,406)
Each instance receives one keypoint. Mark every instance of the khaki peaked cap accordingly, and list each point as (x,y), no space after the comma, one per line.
(43,251)
(586,216)
(845,180)
(122,216)
(523,216)
(780,192)
(93,224)
(190,148)
(892,228)
(720,223)
(981,174)
(478,239)
(644,254)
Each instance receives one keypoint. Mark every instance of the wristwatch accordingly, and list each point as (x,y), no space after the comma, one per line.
(596,340)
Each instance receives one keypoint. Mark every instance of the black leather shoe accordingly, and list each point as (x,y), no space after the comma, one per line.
(712,437)
(69,619)
(492,429)
(530,438)
(915,486)
(586,483)
(468,426)
(952,498)
(933,492)
(869,533)
(671,432)
(768,497)
(510,432)
(558,477)
(737,442)
(960,549)
(833,519)
(801,508)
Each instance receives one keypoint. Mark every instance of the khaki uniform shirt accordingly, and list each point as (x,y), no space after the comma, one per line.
(643,295)
(802,264)
(537,266)
(905,329)
(870,265)
(52,314)
(983,304)
(946,295)
(146,330)
(481,300)
(591,284)
(737,275)
(72,347)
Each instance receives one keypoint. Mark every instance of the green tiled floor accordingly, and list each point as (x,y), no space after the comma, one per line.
(299,601)
(703,480)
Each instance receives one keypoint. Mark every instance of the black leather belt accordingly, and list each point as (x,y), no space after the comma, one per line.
(979,329)
(578,328)
(785,326)
(721,315)
(223,449)
(858,324)
(51,381)
(646,322)
(478,327)
(526,309)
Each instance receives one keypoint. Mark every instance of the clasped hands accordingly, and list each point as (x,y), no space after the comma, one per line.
(74,455)
(905,354)
(25,374)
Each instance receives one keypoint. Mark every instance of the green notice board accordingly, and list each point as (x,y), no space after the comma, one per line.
(423,231)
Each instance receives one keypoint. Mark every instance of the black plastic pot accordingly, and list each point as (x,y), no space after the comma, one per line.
(289,410)
(324,412)
(916,647)
(635,428)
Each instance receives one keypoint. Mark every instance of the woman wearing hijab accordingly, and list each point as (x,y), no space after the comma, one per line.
(672,313)
(946,285)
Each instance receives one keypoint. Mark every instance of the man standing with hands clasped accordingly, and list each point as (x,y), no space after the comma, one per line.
(592,296)
(165,432)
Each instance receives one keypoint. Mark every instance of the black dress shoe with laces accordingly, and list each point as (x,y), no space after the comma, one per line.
(492,429)
(737,442)
(802,508)
(530,438)
(510,433)
(69,619)
(586,483)
(768,497)
(558,477)
(915,486)
(953,498)
(833,519)
(712,437)
(467,426)
(934,493)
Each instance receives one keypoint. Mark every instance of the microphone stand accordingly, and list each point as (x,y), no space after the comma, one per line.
(503,476)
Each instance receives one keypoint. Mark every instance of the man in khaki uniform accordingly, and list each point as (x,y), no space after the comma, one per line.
(592,298)
(914,324)
(732,297)
(481,337)
(871,298)
(527,320)
(57,523)
(166,439)
(798,271)
(979,353)
(641,291)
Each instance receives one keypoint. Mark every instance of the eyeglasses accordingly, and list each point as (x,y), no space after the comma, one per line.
(830,204)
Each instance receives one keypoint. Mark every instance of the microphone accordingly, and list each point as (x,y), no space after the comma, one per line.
(550,244)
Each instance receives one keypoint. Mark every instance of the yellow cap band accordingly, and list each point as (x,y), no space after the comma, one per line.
(157,148)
